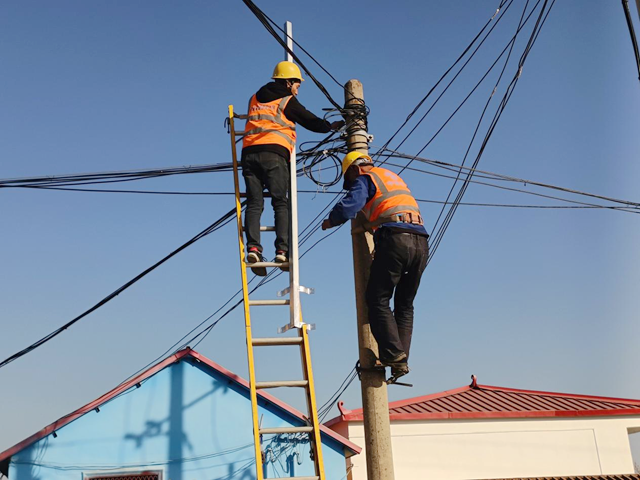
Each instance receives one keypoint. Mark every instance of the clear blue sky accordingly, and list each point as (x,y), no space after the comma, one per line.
(524,298)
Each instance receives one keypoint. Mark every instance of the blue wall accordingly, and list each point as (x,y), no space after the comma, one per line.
(189,421)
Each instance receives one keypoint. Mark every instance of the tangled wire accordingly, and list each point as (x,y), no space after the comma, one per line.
(313,154)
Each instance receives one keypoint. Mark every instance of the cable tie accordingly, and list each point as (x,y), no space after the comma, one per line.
(520,71)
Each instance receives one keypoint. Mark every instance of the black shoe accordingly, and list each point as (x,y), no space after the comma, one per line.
(399,371)
(282,257)
(255,256)
(400,359)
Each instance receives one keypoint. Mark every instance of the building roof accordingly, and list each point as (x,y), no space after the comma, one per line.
(135,381)
(626,476)
(484,401)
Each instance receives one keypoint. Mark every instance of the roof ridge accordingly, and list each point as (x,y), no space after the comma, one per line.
(489,401)
(148,373)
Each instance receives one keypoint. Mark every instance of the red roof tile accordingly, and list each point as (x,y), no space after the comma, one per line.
(484,401)
(628,476)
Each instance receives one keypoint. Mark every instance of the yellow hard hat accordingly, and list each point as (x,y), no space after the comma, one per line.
(286,70)
(351,157)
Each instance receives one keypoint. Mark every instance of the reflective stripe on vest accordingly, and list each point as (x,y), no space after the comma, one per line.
(267,124)
(392,197)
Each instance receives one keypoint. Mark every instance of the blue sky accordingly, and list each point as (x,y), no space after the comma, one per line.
(523,298)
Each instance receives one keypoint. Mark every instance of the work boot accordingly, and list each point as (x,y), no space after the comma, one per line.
(281,257)
(400,359)
(255,256)
(398,371)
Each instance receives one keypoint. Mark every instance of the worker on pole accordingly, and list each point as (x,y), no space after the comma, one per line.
(268,141)
(400,257)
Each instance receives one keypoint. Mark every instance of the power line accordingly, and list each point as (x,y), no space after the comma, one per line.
(262,17)
(632,33)
(542,17)
(226,218)
(486,106)
(460,57)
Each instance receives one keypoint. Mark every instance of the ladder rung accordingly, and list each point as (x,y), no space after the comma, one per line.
(273,341)
(268,302)
(267,264)
(278,430)
(282,383)
(297,478)
(264,229)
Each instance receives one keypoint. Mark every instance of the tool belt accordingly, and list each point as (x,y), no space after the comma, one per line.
(408,217)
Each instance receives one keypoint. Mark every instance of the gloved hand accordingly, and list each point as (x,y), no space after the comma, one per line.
(337,125)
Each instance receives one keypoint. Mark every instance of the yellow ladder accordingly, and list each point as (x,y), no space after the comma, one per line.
(302,340)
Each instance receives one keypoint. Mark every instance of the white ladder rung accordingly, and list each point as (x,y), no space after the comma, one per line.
(282,383)
(267,264)
(264,229)
(297,478)
(268,302)
(273,341)
(278,430)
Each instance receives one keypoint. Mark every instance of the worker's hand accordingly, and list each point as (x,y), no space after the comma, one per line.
(326,224)
(337,125)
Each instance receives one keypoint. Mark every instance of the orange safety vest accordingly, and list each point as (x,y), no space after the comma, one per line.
(267,125)
(392,202)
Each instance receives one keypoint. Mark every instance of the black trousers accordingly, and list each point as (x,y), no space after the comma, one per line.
(398,263)
(271,171)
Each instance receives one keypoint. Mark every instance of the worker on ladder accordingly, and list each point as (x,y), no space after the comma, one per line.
(401,252)
(268,141)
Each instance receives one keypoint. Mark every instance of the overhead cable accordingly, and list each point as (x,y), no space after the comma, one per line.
(499,13)
(266,21)
(227,217)
(540,21)
(632,33)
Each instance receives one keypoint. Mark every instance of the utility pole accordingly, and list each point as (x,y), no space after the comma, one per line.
(375,403)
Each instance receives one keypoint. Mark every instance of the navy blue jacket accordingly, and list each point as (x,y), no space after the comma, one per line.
(360,192)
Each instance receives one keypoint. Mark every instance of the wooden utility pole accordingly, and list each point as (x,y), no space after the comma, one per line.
(375,403)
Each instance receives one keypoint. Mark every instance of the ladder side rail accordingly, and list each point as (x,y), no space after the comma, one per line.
(294,266)
(312,407)
(245,297)
(294,269)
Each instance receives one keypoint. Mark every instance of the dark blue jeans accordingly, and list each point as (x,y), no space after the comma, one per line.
(271,171)
(398,263)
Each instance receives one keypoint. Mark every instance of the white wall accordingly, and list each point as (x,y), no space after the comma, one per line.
(489,449)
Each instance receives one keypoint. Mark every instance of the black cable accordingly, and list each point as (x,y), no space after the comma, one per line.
(262,17)
(226,218)
(632,33)
(542,17)
(111,177)
(326,407)
(484,111)
(460,57)
(498,176)
(464,101)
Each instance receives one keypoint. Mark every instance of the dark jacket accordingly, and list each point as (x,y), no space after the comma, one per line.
(294,111)
(360,192)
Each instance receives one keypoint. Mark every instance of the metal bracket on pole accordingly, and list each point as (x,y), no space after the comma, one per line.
(307,290)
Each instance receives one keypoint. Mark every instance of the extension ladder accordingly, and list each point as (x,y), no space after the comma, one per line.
(302,340)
